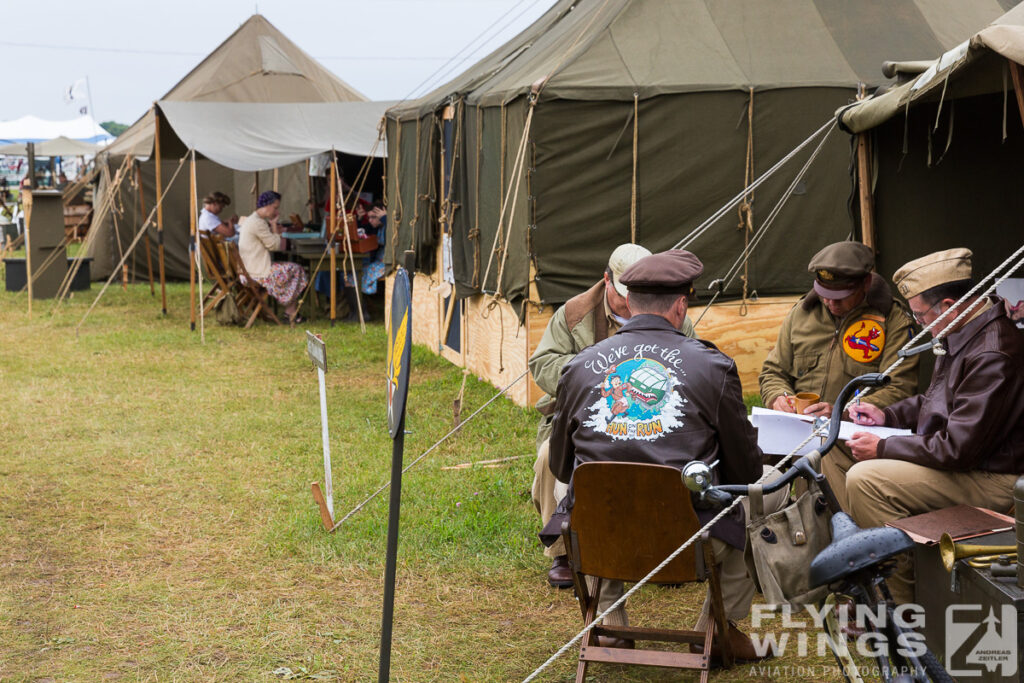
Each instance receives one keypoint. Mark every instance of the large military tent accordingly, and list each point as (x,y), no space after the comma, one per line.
(608,121)
(948,146)
(256,83)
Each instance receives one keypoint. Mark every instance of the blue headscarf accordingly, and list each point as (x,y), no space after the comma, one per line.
(267,198)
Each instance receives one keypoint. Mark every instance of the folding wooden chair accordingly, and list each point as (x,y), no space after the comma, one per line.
(252,299)
(627,518)
(224,282)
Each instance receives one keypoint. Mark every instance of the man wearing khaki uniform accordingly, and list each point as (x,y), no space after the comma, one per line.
(847,325)
(968,441)
(584,320)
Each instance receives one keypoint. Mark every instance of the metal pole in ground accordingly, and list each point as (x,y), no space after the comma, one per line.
(399,357)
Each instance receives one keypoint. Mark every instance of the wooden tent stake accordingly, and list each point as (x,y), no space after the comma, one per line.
(159,212)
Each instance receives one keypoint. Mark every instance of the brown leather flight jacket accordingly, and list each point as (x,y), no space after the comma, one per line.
(972,416)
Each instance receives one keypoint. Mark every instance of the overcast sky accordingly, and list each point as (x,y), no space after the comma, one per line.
(133,52)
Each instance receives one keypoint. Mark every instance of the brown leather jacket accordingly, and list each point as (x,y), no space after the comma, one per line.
(651,394)
(972,416)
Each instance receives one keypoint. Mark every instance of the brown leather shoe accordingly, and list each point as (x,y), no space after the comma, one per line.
(560,575)
(742,647)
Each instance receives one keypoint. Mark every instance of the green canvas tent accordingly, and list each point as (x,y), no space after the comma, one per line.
(257,65)
(947,153)
(640,129)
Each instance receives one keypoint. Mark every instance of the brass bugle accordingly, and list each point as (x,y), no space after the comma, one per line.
(951,551)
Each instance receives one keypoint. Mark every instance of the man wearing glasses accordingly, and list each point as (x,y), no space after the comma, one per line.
(968,441)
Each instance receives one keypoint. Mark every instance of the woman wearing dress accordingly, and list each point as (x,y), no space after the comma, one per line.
(259,234)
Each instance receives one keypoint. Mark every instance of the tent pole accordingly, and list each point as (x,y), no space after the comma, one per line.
(255,189)
(309,194)
(159,212)
(142,212)
(867,202)
(1017,72)
(192,242)
(276,175)
(330,239)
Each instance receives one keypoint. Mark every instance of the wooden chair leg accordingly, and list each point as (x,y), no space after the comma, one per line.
(252,318)
(717,606)
(589,640)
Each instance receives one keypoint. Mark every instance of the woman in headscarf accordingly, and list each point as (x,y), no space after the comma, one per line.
(260,234)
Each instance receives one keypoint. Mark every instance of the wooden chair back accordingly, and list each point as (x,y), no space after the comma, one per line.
(628,517)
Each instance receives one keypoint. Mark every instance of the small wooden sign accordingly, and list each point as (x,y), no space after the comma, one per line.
(317,350)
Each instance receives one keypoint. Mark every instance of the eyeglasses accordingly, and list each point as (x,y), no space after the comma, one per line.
(919,317)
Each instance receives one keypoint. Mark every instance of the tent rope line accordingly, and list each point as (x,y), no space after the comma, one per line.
(632,199)
(474,234)
(58,251)
(360,178)
(90,237)
(819,430)
(516,172)
(731,204)
(142,231)
(748,250)
(746,208)
(427,452)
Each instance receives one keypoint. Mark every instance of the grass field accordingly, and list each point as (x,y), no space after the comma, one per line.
(156,521)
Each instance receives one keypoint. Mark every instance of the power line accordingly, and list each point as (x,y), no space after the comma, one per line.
(172,53)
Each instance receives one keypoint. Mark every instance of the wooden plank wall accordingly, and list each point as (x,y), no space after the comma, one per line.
(747,339)
(496,345)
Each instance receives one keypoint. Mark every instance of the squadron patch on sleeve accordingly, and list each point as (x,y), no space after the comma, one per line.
(864,340)
(637,402)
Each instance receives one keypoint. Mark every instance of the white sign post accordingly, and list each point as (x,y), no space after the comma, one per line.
(317,351)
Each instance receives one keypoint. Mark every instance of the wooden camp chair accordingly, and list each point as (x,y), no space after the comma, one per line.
(252,299)
(214,268)
(627,518)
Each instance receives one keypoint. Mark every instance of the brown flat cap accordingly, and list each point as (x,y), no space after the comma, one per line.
(670,272)
(951,265)
(839,268)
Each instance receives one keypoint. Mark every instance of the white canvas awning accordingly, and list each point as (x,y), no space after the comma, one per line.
(58,147)
(259,136)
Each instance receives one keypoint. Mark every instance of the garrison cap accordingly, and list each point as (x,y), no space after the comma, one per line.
(951,265)
(670,272)
(622,258)
(839,268)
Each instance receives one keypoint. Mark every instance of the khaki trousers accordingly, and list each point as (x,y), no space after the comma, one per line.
(834,466)
(547,493)
(737,587)
(882,491)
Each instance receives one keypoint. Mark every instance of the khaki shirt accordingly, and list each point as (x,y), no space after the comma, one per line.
(817,353)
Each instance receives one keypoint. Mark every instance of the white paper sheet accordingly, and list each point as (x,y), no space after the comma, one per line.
(778,433)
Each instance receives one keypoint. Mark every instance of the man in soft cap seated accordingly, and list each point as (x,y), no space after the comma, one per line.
(584,320)
(692,409)
(968,441)
(847,325)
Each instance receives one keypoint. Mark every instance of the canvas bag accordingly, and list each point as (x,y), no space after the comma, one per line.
(781,545)
(227,312)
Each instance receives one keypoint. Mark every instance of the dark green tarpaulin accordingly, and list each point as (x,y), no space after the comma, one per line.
(690,67)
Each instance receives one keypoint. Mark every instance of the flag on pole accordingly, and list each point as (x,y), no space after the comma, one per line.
(75,92)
